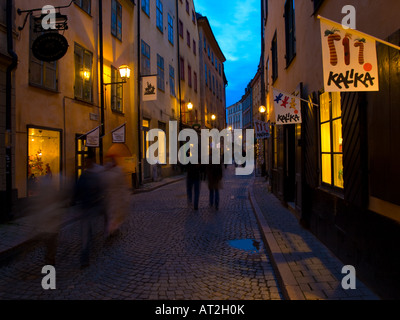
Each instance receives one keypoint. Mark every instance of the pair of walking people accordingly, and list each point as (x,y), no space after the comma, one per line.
(195,174)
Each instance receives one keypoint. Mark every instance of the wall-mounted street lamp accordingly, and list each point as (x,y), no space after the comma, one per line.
(125,74)
(190,106)
(213,117)
(262,109)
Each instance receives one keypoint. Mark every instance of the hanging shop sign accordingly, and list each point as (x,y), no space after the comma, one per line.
(118,134)
(349,59)
(261,129)
(149,88)
(287,108)
(50,46)
(93,138)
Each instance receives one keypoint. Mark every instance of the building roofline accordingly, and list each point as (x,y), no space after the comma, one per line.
(201,18)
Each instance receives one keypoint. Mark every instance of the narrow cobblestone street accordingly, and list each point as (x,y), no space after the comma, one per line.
(165,251)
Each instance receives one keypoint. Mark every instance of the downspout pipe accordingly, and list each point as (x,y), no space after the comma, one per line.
(9,142)
(101,61)
(139,123)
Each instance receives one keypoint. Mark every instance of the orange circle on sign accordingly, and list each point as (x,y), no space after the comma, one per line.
(368,67)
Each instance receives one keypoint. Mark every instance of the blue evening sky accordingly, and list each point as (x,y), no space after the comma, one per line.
(237,27)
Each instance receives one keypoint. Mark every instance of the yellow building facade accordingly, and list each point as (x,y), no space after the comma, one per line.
(57,103)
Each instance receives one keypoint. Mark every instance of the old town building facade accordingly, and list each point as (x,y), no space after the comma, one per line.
(337,170)
(58,103)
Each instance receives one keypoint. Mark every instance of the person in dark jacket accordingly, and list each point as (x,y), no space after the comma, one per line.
(193,180)
(214,178)
(89,200)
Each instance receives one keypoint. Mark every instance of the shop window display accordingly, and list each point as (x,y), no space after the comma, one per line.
(44,158)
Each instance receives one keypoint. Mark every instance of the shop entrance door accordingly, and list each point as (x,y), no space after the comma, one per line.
(290,162)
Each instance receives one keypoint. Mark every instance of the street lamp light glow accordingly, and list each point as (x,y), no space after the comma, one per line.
(262,109)
(125,72)
(190,106)
(213,117)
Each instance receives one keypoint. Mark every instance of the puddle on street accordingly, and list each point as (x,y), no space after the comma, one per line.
(249,245)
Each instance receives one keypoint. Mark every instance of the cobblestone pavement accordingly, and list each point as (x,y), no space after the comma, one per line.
(313,271)
(165,251)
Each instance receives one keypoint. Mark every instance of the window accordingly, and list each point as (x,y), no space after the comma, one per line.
(219,69)
(182,67)
(181,28)
(160,23)
(209,78)
(190,76)
(193,17)
(213,84)
(188,38)
(290,31)
(205,44)
(145,65)
(331,139)
(83,74)
(116,19)
(160,73)
(85,5)
(170,29)
(195,81)
(44,158)
(172,81)
(146,6)
(274,49)
(194,48)
(212,58)
(116,91)
(187,7)
(43,74)
(205,68)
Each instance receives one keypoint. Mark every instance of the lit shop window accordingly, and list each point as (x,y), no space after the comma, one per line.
(331,139)
(44,159)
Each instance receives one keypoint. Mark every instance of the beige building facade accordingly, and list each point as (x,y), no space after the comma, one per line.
(213,81)
(57,103)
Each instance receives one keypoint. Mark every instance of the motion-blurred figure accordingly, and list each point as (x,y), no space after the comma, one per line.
(88,197)
(117,196)
(214,177)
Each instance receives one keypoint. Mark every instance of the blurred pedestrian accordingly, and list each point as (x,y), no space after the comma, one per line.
(47,210)
(214,178)
(193,180)
(117,196)
(89,200)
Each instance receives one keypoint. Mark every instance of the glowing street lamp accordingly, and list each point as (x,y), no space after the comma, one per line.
(262,109)
(213,117)
(124,72)
(190,106)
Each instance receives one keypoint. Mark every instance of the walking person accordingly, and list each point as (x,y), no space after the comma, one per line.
(117,200)
(214,178)
(193,180)
(88,197)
